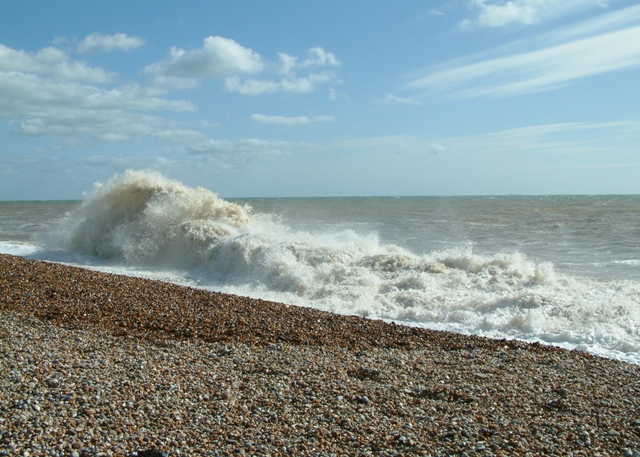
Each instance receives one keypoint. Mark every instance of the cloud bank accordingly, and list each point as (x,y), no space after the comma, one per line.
(48,93)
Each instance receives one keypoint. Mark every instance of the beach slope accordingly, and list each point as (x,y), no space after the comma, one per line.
(100,364)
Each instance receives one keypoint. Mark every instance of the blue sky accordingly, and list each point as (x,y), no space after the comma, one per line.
(284,98)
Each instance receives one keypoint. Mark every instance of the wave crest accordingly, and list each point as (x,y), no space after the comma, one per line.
(141,217)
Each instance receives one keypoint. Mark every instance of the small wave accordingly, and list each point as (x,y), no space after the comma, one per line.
(631,262)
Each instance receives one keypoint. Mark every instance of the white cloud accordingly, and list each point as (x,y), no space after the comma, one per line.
(553,139)
(30,94)
(220,155)
(501,13)
(51,61)
(333,95)
(248,146)
(96,42)
(265,86)
(58,40)
(318,57)
(40,99)
(251,86)
(597,50)
(612,21)
(223,57)
(49,94)
(290,120)
(549,139)
(292,81)
(435,12)
(393,99)
(287,63)
(160,85)
(437,148)
(208,124)
(218,57)
(80,128)
(324,119)
(378,145)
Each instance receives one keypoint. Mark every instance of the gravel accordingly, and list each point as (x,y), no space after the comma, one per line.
(106,365)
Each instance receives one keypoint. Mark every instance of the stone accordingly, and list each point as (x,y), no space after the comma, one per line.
(152,453)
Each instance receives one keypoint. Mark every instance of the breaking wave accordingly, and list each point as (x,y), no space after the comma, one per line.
(145,221)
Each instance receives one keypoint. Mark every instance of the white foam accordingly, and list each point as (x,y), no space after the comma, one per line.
(19,249)
(143,221)
(631,262)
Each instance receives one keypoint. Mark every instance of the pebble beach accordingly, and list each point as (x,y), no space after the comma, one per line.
(106,365)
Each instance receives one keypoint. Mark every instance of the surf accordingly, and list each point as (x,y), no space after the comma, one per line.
(142,221)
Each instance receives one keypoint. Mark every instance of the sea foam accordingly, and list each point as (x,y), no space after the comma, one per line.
(143,220)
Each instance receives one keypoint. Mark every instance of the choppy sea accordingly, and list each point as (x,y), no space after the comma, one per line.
(563,270)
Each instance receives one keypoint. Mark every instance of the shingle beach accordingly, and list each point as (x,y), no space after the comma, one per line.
(100,364)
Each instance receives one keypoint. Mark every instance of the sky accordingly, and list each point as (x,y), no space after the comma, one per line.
(332,98)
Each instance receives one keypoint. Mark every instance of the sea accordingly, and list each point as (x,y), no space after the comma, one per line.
(560,270)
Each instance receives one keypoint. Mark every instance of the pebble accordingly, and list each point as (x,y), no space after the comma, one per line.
(122,366)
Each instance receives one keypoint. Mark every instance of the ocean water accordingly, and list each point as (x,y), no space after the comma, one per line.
(561,270)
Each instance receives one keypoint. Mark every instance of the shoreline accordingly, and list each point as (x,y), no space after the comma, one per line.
(96,363)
